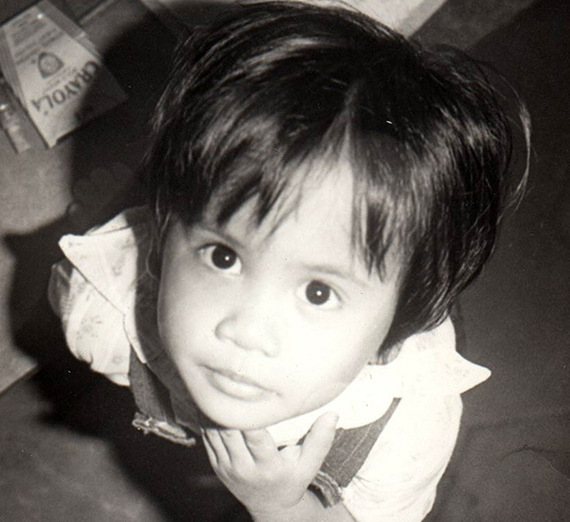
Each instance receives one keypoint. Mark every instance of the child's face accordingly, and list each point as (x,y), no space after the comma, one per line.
(266,323)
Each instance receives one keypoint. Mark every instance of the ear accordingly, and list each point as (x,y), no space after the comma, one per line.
(386,354)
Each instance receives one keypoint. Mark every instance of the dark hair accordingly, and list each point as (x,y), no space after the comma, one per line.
(281,84)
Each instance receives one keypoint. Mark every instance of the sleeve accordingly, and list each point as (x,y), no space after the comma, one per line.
(93,327)
(398,480)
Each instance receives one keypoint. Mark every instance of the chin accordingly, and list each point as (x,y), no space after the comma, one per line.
(239,418)
(241,424)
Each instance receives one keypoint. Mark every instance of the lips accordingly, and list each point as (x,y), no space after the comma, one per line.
(236,385)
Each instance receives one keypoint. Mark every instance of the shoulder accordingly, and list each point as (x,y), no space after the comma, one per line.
(422,432)
(428,365)
(110,257)
(399,478)
(94,288)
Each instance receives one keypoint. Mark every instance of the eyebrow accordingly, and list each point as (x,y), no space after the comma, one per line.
(336,271)
(221,233)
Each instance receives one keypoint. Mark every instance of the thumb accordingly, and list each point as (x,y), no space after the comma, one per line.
(318,442)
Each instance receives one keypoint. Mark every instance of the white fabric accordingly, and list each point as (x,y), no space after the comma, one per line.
(94,294)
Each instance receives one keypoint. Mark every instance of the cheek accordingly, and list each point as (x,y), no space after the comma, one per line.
(185,312)
(345,348)
(374,338)
(330,358)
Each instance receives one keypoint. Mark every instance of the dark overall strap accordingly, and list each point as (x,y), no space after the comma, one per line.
(349,451)
(155,414)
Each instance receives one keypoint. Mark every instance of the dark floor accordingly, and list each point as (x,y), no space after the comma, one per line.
(513,460)
(67,450)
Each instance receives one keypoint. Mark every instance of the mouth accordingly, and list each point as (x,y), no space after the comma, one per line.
(236,385)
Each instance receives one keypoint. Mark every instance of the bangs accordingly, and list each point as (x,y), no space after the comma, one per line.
(271,165)
(260,103)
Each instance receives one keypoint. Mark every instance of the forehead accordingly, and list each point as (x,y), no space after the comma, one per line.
(312,195)
(319,214)
(314,220)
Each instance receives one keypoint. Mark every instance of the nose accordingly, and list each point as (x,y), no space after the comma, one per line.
(249,326)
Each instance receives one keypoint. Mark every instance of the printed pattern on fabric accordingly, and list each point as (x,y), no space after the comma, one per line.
(107,301)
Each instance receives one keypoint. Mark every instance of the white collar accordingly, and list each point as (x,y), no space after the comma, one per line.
(427,363)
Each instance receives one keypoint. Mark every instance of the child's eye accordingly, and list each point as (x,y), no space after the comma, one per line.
(320,294)
(221,257)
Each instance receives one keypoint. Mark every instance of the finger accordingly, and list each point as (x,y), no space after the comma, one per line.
(212,457)
(236,447)
(260,444)
(214,440)
(318,441)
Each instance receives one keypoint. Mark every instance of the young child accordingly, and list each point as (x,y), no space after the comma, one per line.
(321,190)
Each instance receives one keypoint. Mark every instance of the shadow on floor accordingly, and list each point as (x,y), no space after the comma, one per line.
(67,449)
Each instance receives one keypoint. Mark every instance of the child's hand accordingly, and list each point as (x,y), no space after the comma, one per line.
(263,478)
